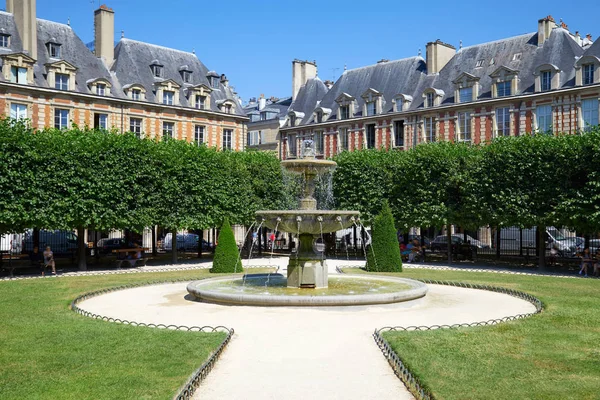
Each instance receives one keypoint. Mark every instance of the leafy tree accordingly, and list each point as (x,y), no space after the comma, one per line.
(226,258)
(384,252)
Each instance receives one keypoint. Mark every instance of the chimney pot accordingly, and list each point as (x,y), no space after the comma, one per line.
(302,71)
(104,34)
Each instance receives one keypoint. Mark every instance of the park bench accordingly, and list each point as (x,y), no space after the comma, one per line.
(138,262)
(11,262)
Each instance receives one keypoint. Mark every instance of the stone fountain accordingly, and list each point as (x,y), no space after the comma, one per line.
(308,269)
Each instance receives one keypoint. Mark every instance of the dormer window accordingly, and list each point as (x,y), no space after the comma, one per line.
(101,89)
(588,74)
(319,117)
(504,82)
(293,120)
(168,96)
(516,57)
(345,112)
(136,94)
(226,106)
(135,91)
(53,49)
(215,82)
(157,69)
(402,102)
(479,64)
(18,74)
(17,68)
(371,108)
(4,40)
(61,81)
(373,102)
(186,75)
(295,117)
(465,94)
(546,80)
(200,102)
(429,100)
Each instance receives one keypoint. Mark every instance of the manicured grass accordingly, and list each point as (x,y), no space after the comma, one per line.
(553,355)
(49,352)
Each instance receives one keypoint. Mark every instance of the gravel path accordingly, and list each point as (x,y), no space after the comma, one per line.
(299,353)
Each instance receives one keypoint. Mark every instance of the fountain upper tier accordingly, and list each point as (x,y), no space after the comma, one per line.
(310,166)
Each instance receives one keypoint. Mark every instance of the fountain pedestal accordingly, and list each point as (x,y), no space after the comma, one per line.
(308,269)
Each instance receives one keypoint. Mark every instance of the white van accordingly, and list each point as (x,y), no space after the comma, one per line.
(514,239)
(11,242)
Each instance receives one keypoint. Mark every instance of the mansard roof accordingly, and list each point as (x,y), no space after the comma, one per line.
(132,64)
(308,98)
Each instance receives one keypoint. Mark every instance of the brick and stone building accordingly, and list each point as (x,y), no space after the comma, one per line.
(51,77)
(545,81)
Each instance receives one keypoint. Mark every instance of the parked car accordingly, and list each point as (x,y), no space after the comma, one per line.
(185,242)
(61,242)
(440,243)
(107,245)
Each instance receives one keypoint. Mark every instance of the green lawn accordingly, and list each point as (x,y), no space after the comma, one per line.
(49,352)
(553,355)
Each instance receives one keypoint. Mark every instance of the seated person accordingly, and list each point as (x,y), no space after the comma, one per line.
(36,258)
(415,250)
(49,261)
(586,261)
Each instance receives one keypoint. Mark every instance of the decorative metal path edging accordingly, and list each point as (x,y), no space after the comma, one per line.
(413,383)
(187,390)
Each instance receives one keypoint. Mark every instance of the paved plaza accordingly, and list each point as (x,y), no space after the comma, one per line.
(297,353)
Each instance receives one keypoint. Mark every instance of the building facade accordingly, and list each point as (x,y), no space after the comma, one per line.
(547,81)
(266,117)
(51,77)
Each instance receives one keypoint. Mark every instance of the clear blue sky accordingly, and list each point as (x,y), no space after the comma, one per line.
(254,42)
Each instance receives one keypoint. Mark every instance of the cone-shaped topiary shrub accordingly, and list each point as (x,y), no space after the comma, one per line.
(226,258)
(384,252)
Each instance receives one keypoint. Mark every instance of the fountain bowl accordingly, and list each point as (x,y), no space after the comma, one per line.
(288,220)
(230,291)
(308,165)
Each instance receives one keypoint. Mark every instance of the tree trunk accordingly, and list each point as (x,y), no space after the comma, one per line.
(498,241)
(81,249)
(153,241)
(174,246)
(200,239)
(449,238)
(541,247)
(36,239)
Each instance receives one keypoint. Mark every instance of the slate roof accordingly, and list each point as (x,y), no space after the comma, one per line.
(594,49)
(409,76)
(132,66)
(308,97)
(7,26)
(280,107)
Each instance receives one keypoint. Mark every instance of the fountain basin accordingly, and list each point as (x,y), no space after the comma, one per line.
(344,290)
(309,165)
(287,220)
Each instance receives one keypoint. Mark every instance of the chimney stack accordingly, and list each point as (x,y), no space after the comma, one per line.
(104,34)
(262,102)
(437,55)
(545,26)
(302,71)
(24,14)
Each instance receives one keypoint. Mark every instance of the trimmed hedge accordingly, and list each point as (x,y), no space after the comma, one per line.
(227,259)
(384,252)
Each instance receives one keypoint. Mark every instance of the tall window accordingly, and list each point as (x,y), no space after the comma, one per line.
(18,75)
(200,102)
(465,94)
(503,89)
(215,82)
(464,126)
(343,138)
(344,112)
(198,135)
(254,138)
(292,145)
(186,76)
(544,118)
(227,135)
(588,74)
(503,121)
(136,94)
(18,111)
(318,138)
(100,121)
(135,126)
(370,132)
(168,97)
(101,89)
(399,133)
(54,50)
(430,131)
(293,120)
(168,129)
(589,110)
(61,118)
(61,81)
(228,108)
(546,80)
(429,99)
(371,108)
(4,40)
